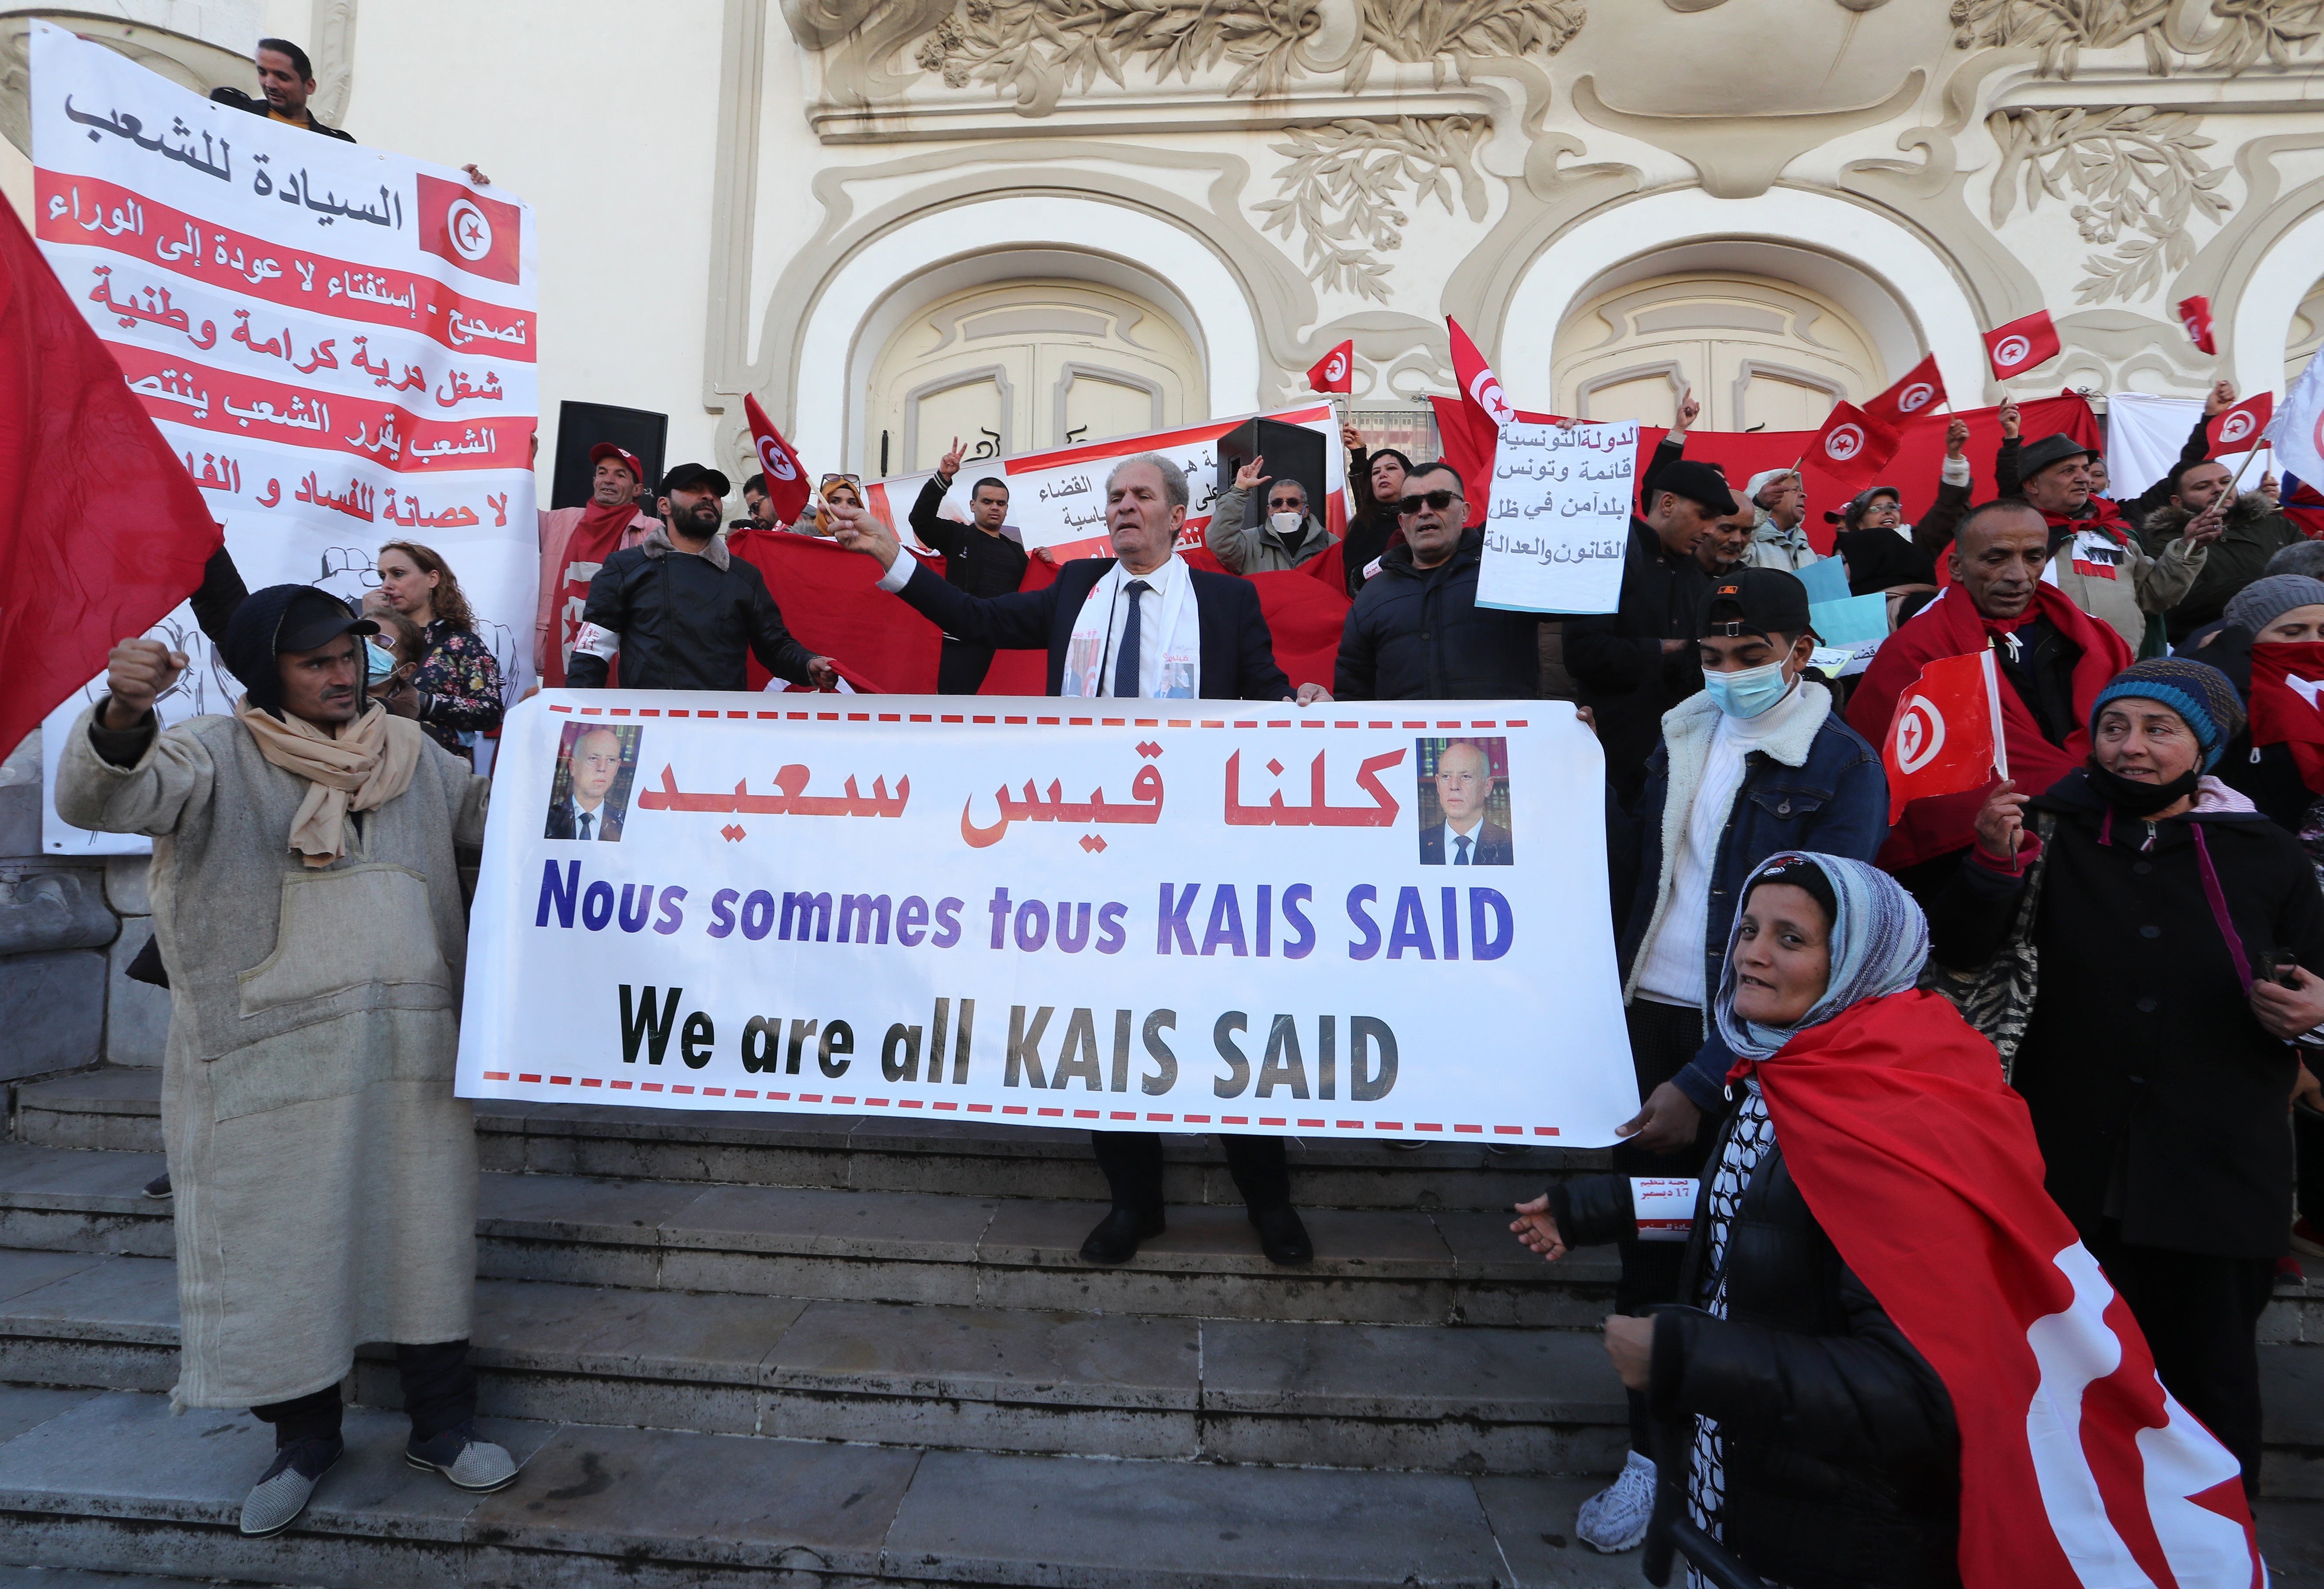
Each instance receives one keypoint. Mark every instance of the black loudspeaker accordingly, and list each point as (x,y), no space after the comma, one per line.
(1291,451)
(581,426)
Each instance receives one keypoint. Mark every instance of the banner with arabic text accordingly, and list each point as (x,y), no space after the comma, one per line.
(1559,519)
(338,341)
(1352,921)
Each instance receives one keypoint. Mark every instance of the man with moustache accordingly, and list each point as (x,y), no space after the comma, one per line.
(1464,785)
(680,613)
(590,769)
(574,543)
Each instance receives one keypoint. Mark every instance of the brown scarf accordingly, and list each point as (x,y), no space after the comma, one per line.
(371,759)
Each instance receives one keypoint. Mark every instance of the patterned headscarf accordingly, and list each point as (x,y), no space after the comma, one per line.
(1879,939)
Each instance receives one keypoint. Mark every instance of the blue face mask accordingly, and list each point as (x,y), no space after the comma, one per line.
(379,661)
(1747,692)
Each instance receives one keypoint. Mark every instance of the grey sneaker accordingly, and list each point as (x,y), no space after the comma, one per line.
(1616,1518)
(159,1186)
(477,1466)
(281,1493)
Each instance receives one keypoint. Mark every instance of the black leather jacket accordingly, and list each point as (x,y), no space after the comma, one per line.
(685,622)
(1842,1456)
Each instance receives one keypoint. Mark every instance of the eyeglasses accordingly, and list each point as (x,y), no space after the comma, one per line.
(1439,500)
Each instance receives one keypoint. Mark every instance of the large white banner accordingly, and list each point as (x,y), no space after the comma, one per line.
(1057,500)
(1243,919)
(339,342)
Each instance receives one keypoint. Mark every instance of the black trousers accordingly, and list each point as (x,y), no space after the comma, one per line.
(1663,1038)
(440,1393)
(2200,1313)
(1132,1162)
(2307,1145)
(961,667)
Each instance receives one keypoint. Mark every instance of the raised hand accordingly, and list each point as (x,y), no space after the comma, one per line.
(2222,398)
(858,530)
(2001,820)
(137,675)
(1351,438)
(1957,438)
(1249,478)
(950,466)
(1688,409)
(2007,415)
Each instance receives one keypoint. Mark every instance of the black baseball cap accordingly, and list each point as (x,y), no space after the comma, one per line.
(694,477)
(1699,482)
(316,618)
(1764,602)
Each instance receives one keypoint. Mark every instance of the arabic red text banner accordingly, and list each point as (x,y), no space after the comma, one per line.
(984,908)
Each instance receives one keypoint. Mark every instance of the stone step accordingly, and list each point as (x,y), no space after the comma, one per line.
(119,1109)
(1229,1390)
(109,1480)
(1372,1266)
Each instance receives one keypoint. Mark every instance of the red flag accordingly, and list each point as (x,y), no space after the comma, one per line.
(1335,369)
(479,234)
(106,530)
(1921,389)
(1476,381)
(1852,448)
(2238,428)
(2017,347)
(1920,1163)
(787,490)
(1941,739)
(2195,314)
(2286,682)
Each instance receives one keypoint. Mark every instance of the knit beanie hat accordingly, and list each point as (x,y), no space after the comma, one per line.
(2264,600)
(2199,692)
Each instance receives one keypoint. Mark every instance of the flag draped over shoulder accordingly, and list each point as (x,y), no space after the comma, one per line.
(1920,1163)
(106,530)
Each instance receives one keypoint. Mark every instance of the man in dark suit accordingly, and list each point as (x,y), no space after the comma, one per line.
(594,761)
(1118,626)
(1464,785)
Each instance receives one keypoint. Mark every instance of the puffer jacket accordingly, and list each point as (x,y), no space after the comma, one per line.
(1418,634)
(2255,531)
(1842,1455)
(1255,549)
(682,621)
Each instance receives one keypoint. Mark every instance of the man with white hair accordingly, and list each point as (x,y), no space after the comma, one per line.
(1777,541)
(1140,624)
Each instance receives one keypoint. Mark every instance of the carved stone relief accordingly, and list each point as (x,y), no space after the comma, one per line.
(1345,182)
(2140,174)
(2243,32)
(331,47)
(191,63)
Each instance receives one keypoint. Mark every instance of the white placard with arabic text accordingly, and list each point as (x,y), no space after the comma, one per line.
(1559,518)
(339,343)
(1238,919)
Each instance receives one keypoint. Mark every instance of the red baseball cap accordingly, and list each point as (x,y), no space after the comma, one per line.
(606,449)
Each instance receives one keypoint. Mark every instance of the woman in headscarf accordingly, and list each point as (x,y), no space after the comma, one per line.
(1855,1399)
(2178,933)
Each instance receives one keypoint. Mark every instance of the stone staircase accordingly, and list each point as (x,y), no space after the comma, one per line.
(731,1349)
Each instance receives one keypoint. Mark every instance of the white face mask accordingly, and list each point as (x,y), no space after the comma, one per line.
(1286,523)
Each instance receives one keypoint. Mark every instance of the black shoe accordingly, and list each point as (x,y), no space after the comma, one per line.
(1116,1238)
(1281,1235)
(159,1186)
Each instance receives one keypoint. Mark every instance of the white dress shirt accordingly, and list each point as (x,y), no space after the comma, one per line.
(1151,640)
(1475,835)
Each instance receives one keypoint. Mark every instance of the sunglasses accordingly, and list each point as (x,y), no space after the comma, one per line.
(1439,500)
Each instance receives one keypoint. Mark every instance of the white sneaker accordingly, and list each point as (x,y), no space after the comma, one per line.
(1615,1519)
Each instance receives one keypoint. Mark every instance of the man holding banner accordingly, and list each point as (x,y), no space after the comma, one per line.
(1138,625)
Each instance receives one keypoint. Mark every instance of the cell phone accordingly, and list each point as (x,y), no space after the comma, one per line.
(2279,967)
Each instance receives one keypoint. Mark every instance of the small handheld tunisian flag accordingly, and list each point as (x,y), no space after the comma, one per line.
(2195,314)
(2238,428)
(1920,388)
(1945,736)
(479,234)
(105,531)
(2017,347)
(1335,369)
(1476,381)
(2286,684)
(1853,446)
(787,490)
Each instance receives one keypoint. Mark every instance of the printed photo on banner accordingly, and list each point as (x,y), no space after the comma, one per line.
(1464,802)
(589,795)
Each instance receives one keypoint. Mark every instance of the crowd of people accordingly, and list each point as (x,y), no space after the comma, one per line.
(2105,963)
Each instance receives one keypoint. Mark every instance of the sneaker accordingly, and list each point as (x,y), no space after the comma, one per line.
(159,1186)
(281,1493)
(2306,1238)
(477,1466)
(1615,1519)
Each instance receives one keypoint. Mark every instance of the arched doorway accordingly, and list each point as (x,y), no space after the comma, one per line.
(1760,353)
(1026,365)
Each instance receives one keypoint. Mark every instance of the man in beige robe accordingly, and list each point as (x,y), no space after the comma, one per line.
(308,904)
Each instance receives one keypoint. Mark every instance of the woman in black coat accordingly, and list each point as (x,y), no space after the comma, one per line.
(2158,1059)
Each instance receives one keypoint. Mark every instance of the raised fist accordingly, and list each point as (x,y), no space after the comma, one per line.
(137,675)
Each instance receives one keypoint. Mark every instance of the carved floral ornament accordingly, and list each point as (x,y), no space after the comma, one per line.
(2240,32)
(2142,176)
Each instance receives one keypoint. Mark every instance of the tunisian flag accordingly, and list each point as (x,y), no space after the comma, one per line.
(2077,1467)
(1853,446)
(104,529)
(1921,390)
(2195,314)
(1335,371)
(1945,737)
(2286,681)
(2238,429)
(787,489)
(2017,347)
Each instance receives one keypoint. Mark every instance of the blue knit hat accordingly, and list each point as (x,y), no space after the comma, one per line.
(2197,692)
